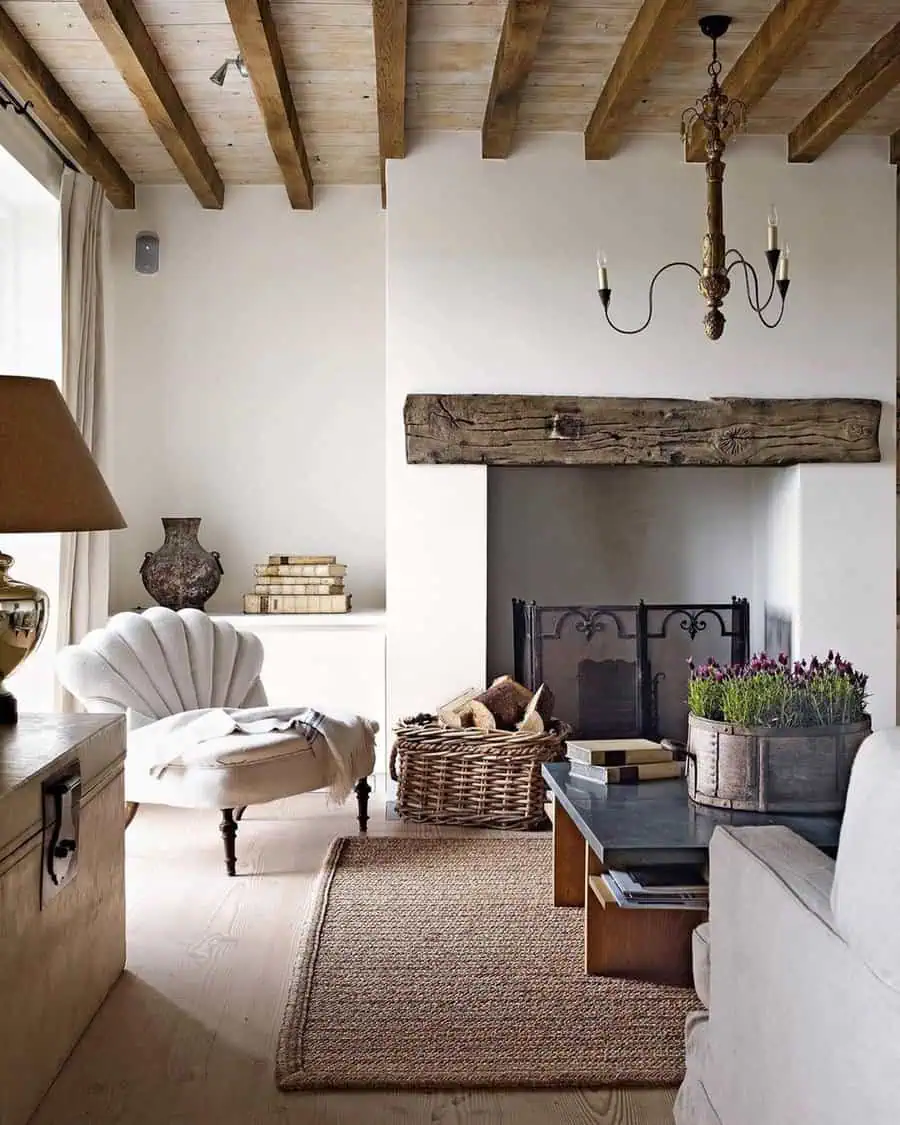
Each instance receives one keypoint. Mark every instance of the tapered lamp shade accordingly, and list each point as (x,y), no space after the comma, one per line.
(48,482)
(48,479)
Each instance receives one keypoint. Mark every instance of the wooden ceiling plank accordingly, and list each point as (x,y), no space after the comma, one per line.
(258,42)
(389,29)
(520,36)
(644,48)
(776,44)
(26,72)
(121,30)
(873,78)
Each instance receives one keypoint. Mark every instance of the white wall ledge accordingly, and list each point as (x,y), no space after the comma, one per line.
(362,619)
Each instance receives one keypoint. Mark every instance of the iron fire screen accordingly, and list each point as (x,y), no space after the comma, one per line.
(621,671)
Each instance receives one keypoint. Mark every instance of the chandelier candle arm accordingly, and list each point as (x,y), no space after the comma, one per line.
(758,305)
(720,117)
(606,294)
(759,309)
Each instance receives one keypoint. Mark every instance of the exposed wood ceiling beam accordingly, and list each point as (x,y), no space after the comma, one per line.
(389,21)
(258,42)
(29,76)
(645,46)
(122,32)
(520,35)
(873,78)
(781,36)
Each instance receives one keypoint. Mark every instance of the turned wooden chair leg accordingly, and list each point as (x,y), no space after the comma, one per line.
(228,828)
(363,789)
(131,808)
(239,812)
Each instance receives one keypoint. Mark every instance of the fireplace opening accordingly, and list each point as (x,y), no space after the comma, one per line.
(603,582)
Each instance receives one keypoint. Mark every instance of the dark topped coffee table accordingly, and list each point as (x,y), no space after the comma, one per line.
(596,827)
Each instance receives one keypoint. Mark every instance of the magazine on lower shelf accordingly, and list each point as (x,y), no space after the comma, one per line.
(665,885)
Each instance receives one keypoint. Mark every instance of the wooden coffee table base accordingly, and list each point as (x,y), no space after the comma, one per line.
(652,945)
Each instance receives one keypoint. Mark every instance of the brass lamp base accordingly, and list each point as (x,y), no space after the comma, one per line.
(24,611)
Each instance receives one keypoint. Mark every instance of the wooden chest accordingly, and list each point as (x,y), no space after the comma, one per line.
(62,942)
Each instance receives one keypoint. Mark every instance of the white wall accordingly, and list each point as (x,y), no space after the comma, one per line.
(492,287)
(248,383)
(616,536)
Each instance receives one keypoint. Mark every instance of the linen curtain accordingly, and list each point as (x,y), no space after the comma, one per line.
(83,601)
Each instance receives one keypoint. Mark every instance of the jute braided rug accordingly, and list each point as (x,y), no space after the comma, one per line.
(433,963)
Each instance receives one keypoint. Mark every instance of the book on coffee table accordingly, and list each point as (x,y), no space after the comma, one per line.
(627,775)
(616,751)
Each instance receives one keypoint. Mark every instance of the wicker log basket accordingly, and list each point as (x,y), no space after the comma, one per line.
(471,777)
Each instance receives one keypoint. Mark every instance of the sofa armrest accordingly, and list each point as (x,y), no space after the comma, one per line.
(800,1029)
(805,873)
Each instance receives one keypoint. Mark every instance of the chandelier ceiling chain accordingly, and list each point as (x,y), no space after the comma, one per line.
(719,116)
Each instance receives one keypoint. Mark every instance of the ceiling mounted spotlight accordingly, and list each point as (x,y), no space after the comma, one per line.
(219,74)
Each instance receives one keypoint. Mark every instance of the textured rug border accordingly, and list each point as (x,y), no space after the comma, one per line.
(304,968)
(290,1080)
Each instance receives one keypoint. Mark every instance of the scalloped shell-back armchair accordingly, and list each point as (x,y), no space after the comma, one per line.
(159,663)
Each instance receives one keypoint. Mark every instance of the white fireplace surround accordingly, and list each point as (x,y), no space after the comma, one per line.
(491,288)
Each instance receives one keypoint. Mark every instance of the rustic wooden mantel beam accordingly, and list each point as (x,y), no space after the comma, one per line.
(543,430)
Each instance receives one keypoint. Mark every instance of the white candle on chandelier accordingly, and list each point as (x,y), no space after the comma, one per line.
(773,228)
(602,275)
(784,265)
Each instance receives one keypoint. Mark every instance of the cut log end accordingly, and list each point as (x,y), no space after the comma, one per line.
(482,717)
(458,712)
(506,700)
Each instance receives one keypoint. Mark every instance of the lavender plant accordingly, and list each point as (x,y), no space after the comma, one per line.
(767,692)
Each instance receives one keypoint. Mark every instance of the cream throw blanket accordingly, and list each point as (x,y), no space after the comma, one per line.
(193,738)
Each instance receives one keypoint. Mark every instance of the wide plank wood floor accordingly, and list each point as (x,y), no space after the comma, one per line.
(187,1036)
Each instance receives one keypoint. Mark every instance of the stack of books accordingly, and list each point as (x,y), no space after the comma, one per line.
(298,584)
(622,761)
(663,887)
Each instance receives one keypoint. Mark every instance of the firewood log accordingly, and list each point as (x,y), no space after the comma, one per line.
(482,717)
(506,700)
(457,712)
(532,723)
(546,701)
(533,719)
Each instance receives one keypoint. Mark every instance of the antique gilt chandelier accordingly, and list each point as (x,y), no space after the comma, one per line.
(718,116)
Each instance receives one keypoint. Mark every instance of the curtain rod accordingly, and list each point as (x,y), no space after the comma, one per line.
(8,100)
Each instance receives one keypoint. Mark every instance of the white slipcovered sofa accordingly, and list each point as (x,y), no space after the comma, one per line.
(799,969)
(167,671)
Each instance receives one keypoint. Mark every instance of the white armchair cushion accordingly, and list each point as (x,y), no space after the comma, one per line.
(865,898)
(235,770)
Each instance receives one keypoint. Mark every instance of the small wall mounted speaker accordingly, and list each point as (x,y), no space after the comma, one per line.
(146,252)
